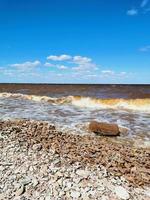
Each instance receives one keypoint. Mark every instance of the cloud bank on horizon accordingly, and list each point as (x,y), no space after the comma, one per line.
(76,67)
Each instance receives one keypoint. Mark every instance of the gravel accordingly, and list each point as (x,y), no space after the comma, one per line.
(30,171)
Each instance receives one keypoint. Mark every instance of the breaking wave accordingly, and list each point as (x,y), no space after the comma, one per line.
(89,102)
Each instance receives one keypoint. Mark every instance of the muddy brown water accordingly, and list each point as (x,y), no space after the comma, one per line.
(85,105)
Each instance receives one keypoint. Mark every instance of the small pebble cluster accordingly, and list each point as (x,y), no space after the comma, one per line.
(35,165)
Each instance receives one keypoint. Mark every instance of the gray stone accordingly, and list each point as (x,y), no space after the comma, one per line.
(83,173)
(37,147)
(26,181)
(48,196)
(2,197)
(35,182)
(104,198)
(20,191)
(75,194)
(122,193)
(147,192)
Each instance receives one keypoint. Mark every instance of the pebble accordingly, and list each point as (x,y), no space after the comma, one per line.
(2,197)
(147,192)
(48,196)
(69,185)
(122,193)
(30,173)
(20,191)
(83,173)
(35,182)
(26,181)
(104,198)
(75,194)
(37,147)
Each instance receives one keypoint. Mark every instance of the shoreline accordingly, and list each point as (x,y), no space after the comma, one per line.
(37,141)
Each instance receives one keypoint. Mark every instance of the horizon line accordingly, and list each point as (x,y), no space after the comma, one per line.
(77,83)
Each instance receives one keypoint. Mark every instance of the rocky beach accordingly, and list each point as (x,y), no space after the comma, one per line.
(40,162)
(74,100)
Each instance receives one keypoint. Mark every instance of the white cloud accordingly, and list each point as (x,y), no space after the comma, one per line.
(108,72)
(85,67)
(62,57)
(141,9)
(21,69)
(47,64)
(59,74)
(27,64)
(113,74)
(123,73)
(62,67)
(83,63)
(144,3)
(91,75)
(77,67)
(6,71)
(81,60)
(2,68)
(145,49)
(132,12)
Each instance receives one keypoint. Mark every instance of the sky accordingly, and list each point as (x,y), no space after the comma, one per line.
(75,41)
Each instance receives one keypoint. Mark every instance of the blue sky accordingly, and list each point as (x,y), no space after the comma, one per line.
(75,41)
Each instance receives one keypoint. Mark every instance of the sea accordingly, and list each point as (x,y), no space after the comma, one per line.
(71,107)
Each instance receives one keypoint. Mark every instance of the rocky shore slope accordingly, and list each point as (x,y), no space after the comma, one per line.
(39,162)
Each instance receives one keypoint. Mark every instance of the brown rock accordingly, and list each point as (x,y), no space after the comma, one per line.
(103,128)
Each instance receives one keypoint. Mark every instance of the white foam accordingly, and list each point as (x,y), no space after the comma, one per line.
(87,102)
(137,104)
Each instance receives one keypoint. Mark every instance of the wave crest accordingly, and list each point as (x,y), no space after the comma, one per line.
(80,101)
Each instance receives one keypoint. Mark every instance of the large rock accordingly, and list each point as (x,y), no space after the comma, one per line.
(103,128)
